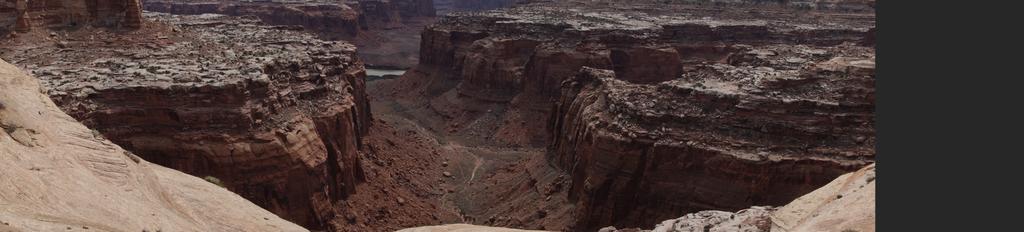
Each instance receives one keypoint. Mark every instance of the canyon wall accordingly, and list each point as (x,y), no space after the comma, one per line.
(22,15)
(521,55)
(346,18)
(276,117)
(716,108)
(845,204)
(316,15)
(386,31)
(447,6)
(59,175)
(709,141)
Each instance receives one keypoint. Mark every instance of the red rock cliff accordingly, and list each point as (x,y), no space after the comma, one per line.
(277,117)
(347,18)
(721,109)
(637,153)
(59,175)
(521,55)
(20,15)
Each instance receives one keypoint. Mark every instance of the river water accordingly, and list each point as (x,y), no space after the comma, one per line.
(370,72)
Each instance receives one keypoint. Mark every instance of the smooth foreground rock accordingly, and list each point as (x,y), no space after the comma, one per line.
(58,174)
(845,204)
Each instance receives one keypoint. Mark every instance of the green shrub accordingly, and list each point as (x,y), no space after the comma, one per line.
(217,182)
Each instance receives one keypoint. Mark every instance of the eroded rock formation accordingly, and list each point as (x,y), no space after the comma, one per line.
(721,137)
(386,31)
(447,6)
(59,175)
(498,56)
(347,18)
(20,15)
(276,115)
(690,107)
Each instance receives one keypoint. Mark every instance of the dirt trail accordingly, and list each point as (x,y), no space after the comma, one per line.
(476,166)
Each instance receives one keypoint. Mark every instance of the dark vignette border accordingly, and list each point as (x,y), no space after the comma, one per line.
(949,115)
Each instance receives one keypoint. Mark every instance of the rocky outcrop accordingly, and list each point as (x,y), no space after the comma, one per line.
(23,25)
(276,115)
(845,204)
(721,137)
(324,16)
(716,108)
(447,6)
(59,175)
(133,14)
(386,31)
(21,14)
(346,18)
(522,54)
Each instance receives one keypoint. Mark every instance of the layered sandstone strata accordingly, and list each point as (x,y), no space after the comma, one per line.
(276,115)
(521,55)
(327,16)
(447,6)
(386,31)
(20,15)
(722,137)
(347,18)
(59,175)
(695,107)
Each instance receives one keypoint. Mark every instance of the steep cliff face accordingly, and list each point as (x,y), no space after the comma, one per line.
(346,18)
(59,175)
(447,6)
(518,57)
(386,31)
(722,137)
(330,17)
(277,117)
(711,108)
(21,15)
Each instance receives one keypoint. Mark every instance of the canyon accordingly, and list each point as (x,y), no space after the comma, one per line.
(649,112)
(59,175)
(546,115)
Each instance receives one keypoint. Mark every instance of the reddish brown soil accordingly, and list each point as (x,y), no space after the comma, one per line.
(492,182)
(403,182)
